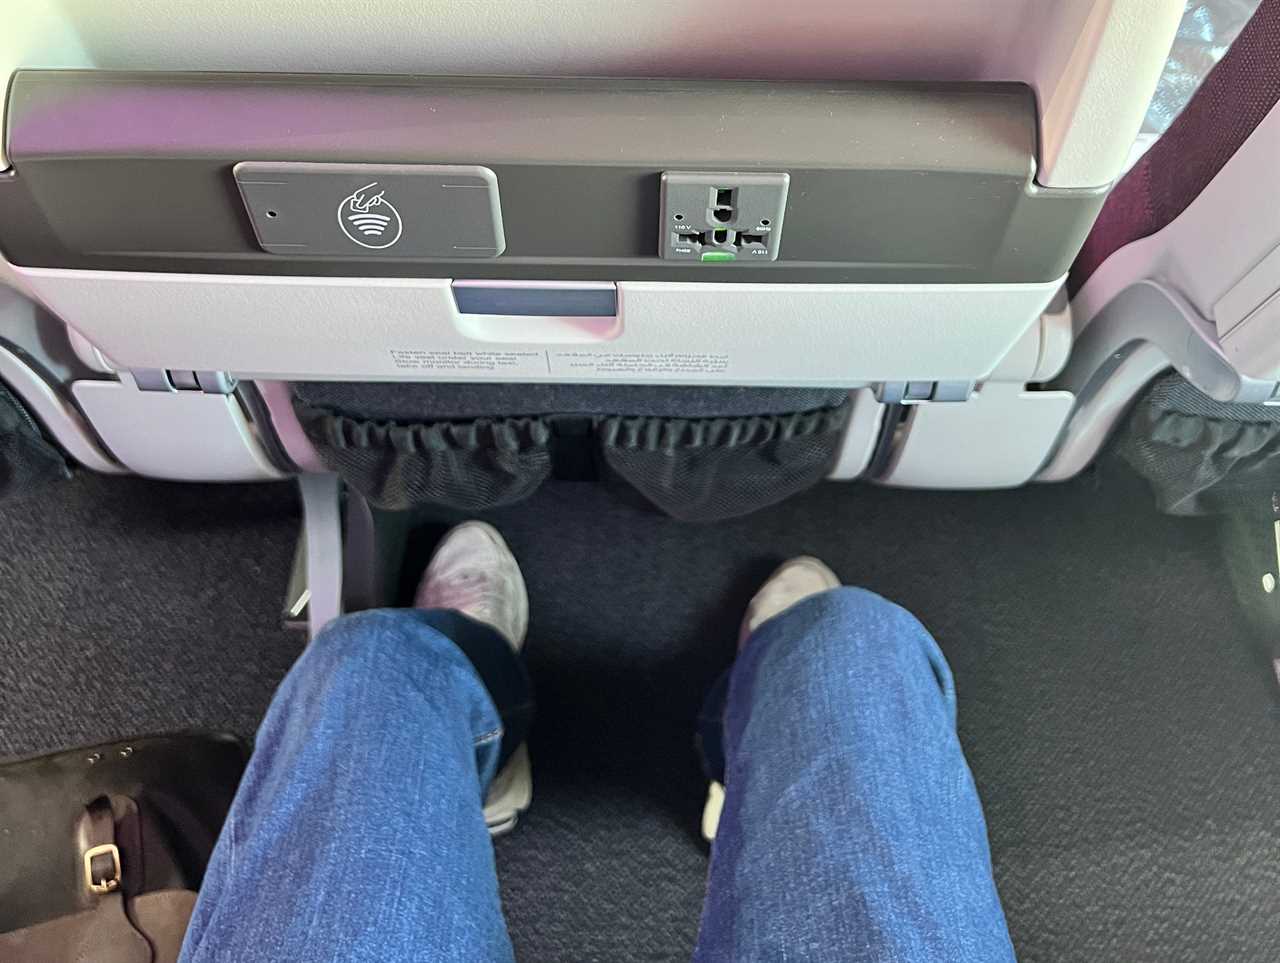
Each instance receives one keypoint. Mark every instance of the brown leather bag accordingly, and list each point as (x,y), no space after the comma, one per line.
(102,849)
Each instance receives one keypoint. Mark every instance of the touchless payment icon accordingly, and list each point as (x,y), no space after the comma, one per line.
(369,219)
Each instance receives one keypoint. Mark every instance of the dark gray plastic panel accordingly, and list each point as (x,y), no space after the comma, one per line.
(373,210)
(889,183)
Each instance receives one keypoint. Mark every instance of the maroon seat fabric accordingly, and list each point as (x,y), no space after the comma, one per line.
(1234,98)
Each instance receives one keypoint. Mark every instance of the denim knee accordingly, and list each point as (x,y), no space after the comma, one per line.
(357,635)
(846,634)
(370,643)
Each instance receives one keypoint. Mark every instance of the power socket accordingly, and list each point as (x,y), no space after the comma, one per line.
(722,217)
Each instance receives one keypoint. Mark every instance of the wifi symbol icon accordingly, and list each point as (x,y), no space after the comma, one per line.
(367,218)
(370,225)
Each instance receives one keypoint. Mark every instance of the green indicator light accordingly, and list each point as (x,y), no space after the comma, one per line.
(718,255)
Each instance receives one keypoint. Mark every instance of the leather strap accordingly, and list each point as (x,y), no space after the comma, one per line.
(107,932)
(100,855)
(117,925)
(171,792)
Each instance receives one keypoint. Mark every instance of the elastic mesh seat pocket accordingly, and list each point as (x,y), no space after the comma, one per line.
(467,465)
(706,469)
(27,461)
(1202,456)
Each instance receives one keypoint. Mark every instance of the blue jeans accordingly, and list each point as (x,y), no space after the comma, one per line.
(851,829)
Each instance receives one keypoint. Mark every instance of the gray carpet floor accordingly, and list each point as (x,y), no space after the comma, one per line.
(1117,704)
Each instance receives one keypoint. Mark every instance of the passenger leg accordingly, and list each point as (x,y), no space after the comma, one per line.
(358,833)
(851,829)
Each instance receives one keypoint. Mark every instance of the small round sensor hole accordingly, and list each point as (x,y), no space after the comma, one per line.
(679,217)
(764,222)
(273,213)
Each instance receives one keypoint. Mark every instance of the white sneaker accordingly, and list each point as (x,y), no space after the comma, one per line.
(473,572)
(793,582)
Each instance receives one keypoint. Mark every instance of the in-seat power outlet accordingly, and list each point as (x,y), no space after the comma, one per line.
(722,217)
